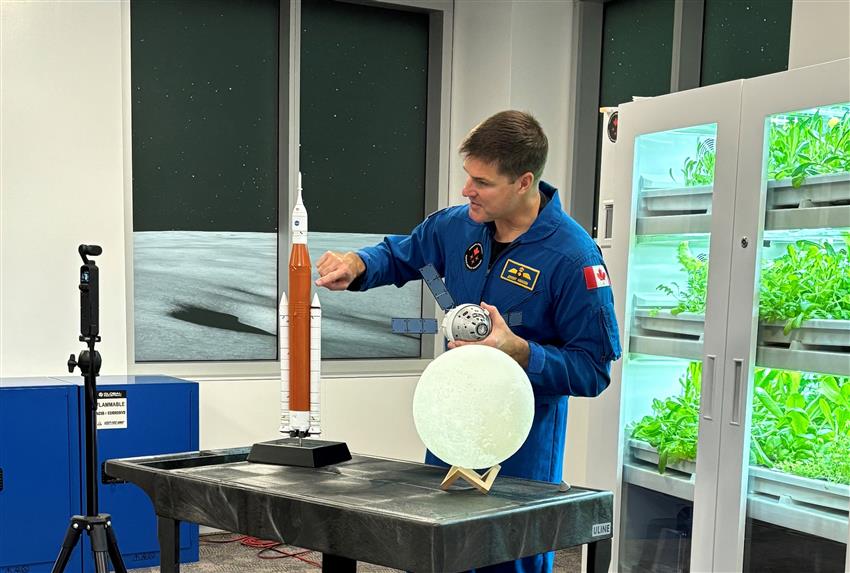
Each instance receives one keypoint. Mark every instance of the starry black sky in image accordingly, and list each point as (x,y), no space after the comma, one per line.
(205,79)
(364,80)
(205,115)
(745,39)
(637,47)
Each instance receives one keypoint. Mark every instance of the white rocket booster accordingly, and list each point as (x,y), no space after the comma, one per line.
(315,427)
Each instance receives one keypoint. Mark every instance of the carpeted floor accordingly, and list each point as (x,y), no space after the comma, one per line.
(234,557)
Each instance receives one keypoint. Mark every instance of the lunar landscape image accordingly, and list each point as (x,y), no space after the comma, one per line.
(212,295)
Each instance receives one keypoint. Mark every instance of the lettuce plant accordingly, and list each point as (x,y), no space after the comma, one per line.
(692,297)
(799,148)
(672,429)
(699,170)
(811,280)
(831,464)
(800,423)
(808,145)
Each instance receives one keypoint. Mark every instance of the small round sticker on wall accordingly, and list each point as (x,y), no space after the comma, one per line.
(473,256)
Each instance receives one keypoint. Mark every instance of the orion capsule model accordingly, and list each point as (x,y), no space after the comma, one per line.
(300,337)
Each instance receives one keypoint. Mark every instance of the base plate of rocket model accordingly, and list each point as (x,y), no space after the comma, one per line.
(300,322)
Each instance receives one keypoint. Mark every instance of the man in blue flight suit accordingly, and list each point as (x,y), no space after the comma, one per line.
(515,248)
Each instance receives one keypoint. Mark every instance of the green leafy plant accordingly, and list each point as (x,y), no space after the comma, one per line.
(692,297)
(799,146)
(808,145)
(672,429)
(811,280)
(831,464)
(800,423)
(699,170)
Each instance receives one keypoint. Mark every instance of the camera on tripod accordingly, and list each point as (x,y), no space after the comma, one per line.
(89,294)
(97,525)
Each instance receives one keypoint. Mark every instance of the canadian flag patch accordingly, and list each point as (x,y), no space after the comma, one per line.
(596,276)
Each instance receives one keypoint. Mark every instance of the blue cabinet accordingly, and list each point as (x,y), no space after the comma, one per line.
(161,417)
(42,460)
(40,465)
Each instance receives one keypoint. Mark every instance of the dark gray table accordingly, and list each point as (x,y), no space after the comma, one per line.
(381,511)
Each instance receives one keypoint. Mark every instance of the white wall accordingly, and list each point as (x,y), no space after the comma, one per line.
(63,162)
(820,32)
(512,55)
(371,414)
(61,180)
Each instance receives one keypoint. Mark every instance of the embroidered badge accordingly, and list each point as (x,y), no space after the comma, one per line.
(519,274)
(596,276)
(473,256)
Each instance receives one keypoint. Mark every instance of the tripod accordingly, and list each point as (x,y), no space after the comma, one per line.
(97,525)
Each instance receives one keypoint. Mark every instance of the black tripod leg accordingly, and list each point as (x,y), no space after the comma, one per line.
(97,534)
(168,531)
(114,554)
(72,535)
(101,563)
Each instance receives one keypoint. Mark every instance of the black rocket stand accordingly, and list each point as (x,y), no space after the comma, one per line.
(97,525)
(298,451)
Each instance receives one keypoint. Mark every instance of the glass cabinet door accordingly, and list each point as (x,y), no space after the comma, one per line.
(799,474)
(788,407)
(682,179)
(668,279)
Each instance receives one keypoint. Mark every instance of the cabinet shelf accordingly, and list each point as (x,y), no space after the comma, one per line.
(823,201)
(818,345)
(674,210)
(811,506)
(817,191)
(670,483)
(644,452)
(674,200)
(678,225)
(799,518)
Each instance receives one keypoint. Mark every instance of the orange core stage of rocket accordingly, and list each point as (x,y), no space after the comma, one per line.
(299,328)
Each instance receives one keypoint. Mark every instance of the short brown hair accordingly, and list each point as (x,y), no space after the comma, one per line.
(512,140)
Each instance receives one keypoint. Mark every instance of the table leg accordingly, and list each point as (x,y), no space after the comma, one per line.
(168,531)
(337,564)
(599,556)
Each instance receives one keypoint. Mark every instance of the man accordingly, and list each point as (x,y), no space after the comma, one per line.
(513,247)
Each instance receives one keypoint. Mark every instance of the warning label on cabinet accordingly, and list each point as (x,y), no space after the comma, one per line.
(111,409)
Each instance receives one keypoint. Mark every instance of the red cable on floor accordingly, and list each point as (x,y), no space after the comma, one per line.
(284,554)
(263,545)
(259,543)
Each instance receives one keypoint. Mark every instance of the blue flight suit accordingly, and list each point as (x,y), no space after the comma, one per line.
(548,274)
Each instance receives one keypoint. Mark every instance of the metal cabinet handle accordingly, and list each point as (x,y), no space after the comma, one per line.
(608,220)
(737,389)
(708,384)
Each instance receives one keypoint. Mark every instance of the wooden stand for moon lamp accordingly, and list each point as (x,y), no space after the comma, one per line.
(482,483)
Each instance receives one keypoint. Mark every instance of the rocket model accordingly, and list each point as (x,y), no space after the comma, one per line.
(300,337)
